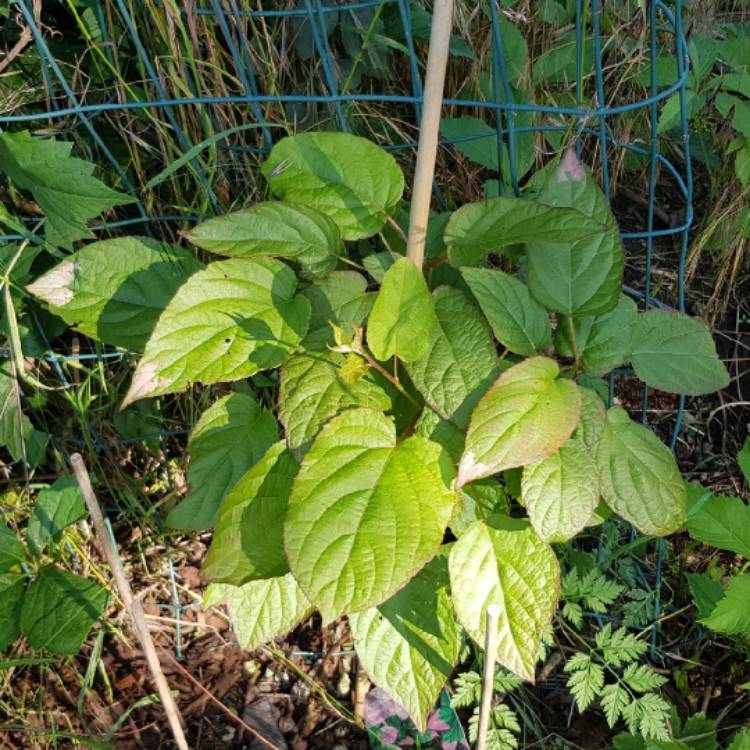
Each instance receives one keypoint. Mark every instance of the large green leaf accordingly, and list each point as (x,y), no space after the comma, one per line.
(639,476)
(55,508)
(312,392)
(582,277)
(732,613)
(477,229)
(11,550)
(409,644)
(17,434)
(275,229)
(561,493)
(59,609)
(261,610)
(341,298)
(503,562)
(518,321)
(12,587)
(115,290)
(603,342)
(722,522)
(348,178)
(248,543)
(62,185)
(229,321)
(231,436)
(403,316)
(460,357)
(673,352)
(365,514)
(524,417)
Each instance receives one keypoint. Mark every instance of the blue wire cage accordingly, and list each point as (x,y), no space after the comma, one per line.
(589,107)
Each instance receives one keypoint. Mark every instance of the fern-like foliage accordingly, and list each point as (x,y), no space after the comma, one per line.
(618,647)
(592,591)
(504,726)
(586,680)
(647,715)
(613,674)
(467,688)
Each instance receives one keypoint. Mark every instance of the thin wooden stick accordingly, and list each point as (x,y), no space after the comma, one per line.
(361,686)
(133,605)
(488,680)
(437,61)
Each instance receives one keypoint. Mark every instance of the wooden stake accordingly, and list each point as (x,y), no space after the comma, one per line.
(133,605)
(437,61)
(488,680)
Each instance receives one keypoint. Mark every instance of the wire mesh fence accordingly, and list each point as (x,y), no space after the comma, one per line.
(125,87)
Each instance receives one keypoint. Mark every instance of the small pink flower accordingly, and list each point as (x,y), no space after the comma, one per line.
(570,169)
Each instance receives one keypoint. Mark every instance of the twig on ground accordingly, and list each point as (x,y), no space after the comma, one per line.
(132,604)
(219,704)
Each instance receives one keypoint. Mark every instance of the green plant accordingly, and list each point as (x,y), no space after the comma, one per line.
(504,722)
(696,732)
(398,415)
(610,672)
(65,195)
(723,522)
(56,609)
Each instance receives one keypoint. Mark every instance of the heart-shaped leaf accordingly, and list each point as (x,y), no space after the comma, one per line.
(673,352)
(460,357)
(602,342)
(348,178)
(524,417)
(582,277)
(115,290)
(409,644)
(261,610)
(365,514)
(229,321)
(275,229)
(639,476)
(231,436)
(248,543)
(312,392)
(561,493)
(477,229)
(518,321)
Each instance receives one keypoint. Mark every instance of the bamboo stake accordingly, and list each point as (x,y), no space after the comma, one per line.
(488,680)
(132,604)
(437,61)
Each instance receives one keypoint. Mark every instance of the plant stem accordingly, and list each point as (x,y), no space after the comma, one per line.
(573,343)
